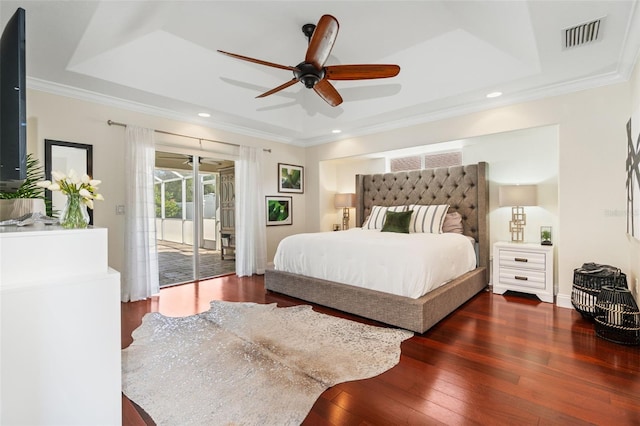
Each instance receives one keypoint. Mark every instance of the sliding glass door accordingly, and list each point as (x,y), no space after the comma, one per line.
(188,219)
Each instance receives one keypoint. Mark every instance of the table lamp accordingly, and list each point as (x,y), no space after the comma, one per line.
(516,197)
(345,202)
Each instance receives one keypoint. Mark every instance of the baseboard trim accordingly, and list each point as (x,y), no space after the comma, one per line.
(564,301)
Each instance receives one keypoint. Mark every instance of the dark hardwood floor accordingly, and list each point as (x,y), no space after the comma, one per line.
(497,360)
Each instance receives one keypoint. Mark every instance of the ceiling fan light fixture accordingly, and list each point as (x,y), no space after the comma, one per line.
(309,80)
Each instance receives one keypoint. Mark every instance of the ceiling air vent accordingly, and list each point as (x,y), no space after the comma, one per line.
(582,34)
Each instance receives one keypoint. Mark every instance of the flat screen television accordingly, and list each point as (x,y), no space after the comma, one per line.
(13,104)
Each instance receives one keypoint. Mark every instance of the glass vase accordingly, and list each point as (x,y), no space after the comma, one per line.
(75,214)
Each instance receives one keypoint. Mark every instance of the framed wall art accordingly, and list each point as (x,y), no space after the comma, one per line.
(290,178)
(278,210)
(633,178)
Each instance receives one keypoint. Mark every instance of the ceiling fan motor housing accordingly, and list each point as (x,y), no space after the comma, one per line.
(308,75)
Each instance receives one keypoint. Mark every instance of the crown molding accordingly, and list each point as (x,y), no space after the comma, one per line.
(558,89)
(111,101)
(484,104)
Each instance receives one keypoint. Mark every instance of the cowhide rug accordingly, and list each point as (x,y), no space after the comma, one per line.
(247,363)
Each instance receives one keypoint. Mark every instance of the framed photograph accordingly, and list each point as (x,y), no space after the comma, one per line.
(279,210)
(290,178)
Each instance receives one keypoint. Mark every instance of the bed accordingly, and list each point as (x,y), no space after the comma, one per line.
(465,190)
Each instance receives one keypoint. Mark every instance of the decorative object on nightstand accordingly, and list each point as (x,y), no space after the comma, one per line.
(545,236)
(345,202)
(526,268)
(516,197)
(588,281)
(617,316)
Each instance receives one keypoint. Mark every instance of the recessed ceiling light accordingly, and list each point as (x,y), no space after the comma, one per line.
(494,94)
(204,114)
(336,131)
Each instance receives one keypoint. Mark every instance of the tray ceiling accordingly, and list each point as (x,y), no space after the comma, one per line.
(160,57)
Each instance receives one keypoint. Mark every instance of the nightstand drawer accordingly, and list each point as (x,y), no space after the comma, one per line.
(522,260)
(522,278)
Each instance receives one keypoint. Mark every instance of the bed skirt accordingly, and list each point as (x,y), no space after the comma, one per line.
(412,314)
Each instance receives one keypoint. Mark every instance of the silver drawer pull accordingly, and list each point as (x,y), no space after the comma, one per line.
(518,277)
(521,259)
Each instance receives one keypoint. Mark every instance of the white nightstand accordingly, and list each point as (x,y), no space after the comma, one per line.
(527,268)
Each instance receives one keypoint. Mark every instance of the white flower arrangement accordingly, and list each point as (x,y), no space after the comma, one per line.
(83,185)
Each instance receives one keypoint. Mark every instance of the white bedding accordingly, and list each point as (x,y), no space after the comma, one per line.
(404,264)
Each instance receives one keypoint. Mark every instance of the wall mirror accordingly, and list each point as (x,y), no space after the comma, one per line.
(62,157)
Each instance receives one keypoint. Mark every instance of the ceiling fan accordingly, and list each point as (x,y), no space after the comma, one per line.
(313,73)
(188,159)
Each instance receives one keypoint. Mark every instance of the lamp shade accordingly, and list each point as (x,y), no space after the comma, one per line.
(341,201)
(517,195)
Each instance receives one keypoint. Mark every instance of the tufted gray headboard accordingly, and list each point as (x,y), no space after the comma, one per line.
(464,188)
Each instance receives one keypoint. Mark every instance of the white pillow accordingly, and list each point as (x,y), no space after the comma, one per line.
(427,219)
(378,214)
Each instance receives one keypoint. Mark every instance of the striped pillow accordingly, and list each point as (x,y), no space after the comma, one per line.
(427,219)
(378,214)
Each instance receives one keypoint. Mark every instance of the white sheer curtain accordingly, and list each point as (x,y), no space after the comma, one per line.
(140,277)
(251,234)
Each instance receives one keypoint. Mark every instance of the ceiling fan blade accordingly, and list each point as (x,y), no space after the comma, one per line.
(328,92)
(279,88)
(360,72)
(322,41)
(259,61)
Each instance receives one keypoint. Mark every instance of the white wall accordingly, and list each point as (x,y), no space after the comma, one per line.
(527,156)
(591,174)
(60,118)
(338,176)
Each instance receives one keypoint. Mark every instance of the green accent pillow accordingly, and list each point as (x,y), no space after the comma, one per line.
(397,222)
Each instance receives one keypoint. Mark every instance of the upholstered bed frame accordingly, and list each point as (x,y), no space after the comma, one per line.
(465,189)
